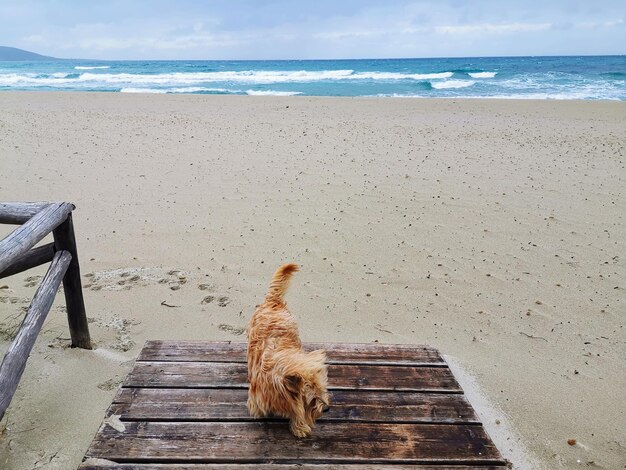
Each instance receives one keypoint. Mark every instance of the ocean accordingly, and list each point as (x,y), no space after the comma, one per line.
(584,77)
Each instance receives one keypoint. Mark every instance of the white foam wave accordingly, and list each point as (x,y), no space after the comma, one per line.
(272,93)
(250,77)
(180,79)
(546,96)
(396,95)
(91,67)
(514,96)
(13,79)
(143,90)
(399,76)
(452,84)
(178,90)
(482,74)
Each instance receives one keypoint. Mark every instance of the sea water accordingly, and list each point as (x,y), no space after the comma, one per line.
(572,77)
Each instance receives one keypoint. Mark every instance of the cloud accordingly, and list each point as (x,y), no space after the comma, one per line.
(246,29)
(601,24)
(347,34)
(142,43)
(493,28)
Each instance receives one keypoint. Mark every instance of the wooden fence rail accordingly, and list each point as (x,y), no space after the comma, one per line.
(16,255)
(30,259)
(31,232)
(19,212)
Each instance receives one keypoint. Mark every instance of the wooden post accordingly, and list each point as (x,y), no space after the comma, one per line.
(77,318)
(35,257)
(16,356)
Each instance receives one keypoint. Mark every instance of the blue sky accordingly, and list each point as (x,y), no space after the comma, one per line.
(245,29)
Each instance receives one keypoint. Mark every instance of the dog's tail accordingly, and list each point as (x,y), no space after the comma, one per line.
(280,283)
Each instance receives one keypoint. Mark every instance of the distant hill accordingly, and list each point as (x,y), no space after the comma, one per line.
(13,53)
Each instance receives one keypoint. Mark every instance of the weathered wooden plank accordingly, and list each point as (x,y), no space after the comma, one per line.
(30,259)
(200,404)
(340,376)
(19,212)
(64,239)
(16,356)
(272,442)
(98,464)
(31,232)
(202,351)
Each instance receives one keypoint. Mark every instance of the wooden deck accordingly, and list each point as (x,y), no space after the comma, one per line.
(183,406)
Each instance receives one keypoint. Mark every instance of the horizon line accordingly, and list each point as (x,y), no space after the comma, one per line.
(325,59)
(321,59)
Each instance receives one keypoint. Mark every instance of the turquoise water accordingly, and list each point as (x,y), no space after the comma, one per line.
(588,78)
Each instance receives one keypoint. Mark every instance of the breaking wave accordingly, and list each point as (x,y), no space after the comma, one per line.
(482,74)
(91,67)
(191,78)
(448,84)
(181,90)
(272,93)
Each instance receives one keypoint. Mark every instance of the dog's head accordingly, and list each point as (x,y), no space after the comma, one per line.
(309,384)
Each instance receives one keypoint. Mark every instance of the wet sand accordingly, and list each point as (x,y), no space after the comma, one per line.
(492,230)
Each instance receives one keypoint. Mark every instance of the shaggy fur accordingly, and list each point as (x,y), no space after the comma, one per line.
(284,380)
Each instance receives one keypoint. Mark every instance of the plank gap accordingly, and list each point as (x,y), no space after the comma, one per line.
(303,461)
(281,420)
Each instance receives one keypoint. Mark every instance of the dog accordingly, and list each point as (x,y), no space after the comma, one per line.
(284,380)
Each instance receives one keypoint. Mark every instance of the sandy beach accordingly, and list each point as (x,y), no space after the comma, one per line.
(493,230)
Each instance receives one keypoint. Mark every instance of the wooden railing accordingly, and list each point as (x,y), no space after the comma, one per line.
(16,255)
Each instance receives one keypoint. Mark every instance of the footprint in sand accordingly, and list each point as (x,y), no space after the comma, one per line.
(177,279)
(222,301)
(109,384)
(32,281)
(7,299)
(127,278)
(235,330)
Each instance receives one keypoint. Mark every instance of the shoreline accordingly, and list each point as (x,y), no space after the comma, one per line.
(324,97)
(497,228)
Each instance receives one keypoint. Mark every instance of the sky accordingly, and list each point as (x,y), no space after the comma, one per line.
(315,29)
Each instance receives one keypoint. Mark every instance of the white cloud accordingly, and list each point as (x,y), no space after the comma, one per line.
(346,34)
(35,39)
(601,24)
(185,42)
(493,28)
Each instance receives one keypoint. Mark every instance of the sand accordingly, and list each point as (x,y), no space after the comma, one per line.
(493,230)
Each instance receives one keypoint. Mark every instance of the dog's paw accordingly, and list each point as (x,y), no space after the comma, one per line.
(256,414)
(299,429)
(254,410)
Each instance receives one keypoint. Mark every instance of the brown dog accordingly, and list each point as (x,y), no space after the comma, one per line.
(284,380)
